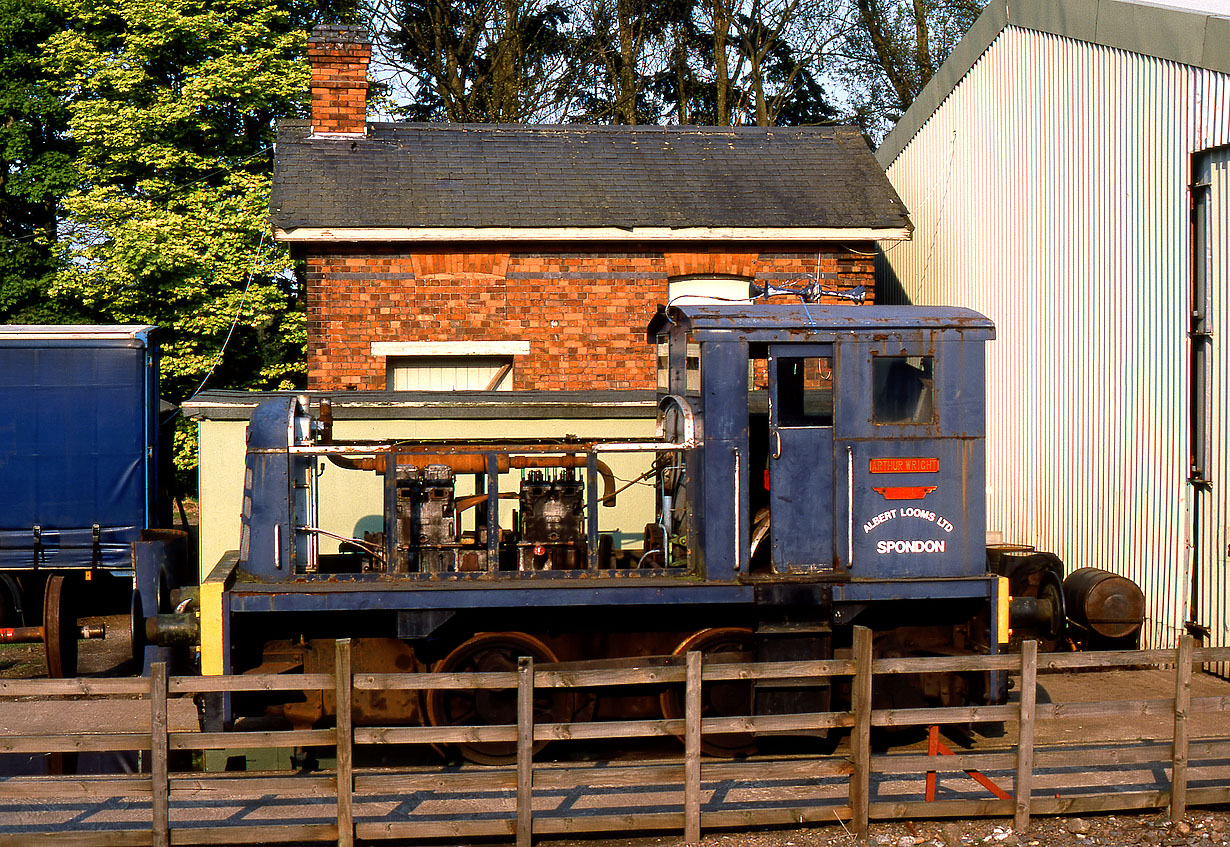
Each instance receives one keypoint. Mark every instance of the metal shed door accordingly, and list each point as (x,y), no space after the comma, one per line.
(1210,602)
(801,456)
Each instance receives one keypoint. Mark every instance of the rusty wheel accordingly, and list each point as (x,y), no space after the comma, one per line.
(494,652)
(60,627)
(719,699)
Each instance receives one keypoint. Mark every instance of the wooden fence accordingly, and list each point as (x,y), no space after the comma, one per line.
(342,784)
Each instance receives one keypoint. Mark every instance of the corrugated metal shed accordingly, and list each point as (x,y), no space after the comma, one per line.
(1046,170)
(1211,598)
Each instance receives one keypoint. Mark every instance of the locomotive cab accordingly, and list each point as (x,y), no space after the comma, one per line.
(839,468)
(839,442)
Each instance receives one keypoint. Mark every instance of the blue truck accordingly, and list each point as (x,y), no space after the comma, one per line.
(83,480)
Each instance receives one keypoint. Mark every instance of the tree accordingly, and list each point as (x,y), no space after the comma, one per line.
(502,61)
(723,62)
(171,104)
(776,68)
(614,50)
(749,62)
(35,168)
(680,85)
(894,51)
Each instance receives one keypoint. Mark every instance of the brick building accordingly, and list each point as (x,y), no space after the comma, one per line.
(444,256)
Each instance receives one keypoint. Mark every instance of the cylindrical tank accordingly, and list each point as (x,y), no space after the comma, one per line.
(1111,605)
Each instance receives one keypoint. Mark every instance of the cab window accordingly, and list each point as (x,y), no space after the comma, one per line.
(805,391)
(903,389)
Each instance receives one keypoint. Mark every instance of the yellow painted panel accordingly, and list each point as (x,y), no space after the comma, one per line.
(1002,601)
(212,588)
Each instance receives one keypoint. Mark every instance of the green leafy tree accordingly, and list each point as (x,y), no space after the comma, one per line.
(172,105)
(35,168)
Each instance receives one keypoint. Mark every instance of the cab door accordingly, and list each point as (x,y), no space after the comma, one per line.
(910,450)
(801,481)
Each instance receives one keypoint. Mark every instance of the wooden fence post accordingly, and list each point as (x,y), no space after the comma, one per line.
(691,738)
(159,768)
(525,751)
(860,738)
(1182,703)
(1025,739)
(343,695)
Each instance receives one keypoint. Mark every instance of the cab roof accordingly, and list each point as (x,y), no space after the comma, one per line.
(768,322)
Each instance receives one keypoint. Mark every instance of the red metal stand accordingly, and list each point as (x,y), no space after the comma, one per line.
(935,747)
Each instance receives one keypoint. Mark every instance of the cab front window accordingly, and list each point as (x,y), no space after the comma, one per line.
(903,389)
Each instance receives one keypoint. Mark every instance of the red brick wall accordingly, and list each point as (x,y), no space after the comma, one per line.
(583,313)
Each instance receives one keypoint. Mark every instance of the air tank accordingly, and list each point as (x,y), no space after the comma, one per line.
(1103,602)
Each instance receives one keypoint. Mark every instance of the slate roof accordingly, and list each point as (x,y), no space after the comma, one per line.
(467,176)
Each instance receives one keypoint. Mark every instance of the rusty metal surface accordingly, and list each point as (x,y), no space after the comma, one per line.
(216,405)
(21,635)
(807,318)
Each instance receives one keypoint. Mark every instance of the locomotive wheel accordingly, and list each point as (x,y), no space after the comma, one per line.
(718,699)
(60,628)
(493,652)
(1052,590)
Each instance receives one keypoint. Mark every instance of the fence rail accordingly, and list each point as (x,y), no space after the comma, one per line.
(855,808)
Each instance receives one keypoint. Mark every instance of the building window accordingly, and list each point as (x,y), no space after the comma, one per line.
(691,290)
(449,365)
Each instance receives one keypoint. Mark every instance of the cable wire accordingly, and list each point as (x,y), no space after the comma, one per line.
(234,321)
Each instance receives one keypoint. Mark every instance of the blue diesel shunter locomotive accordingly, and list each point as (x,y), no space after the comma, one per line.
(815,468)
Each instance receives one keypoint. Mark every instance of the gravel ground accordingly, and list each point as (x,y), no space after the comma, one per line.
(1202,828)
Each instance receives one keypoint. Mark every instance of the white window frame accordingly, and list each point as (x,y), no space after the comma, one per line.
(404,353)
(708,288)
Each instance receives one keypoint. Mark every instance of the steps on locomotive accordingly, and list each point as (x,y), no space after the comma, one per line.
(793,641)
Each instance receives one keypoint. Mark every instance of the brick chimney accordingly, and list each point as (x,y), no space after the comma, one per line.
(338,56)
